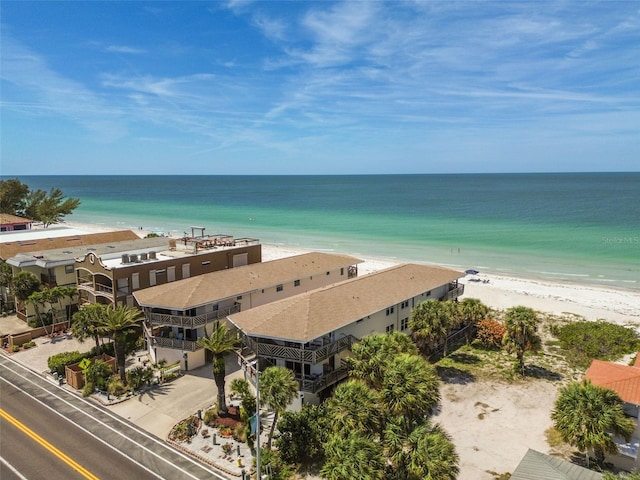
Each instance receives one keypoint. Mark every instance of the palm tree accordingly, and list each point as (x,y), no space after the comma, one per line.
(521,324)
(587,416)
(410,389)
(24,285)
(86,323)
(425,452)
(368,356)
(117,322)
(219,343)
(39,300)
(351,457)
(471,311)
(278,388)
(430,323)
(355,407)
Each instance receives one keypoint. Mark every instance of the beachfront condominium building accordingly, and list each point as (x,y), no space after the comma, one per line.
(312,333)
(177,315)
(50,254)
(111,274)
(625,381)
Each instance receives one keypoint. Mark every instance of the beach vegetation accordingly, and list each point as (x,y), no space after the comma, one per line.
(521,334)
(302,434)
(16,198)
(490,333)
(220,343)
(621,476)
(275,466)
(584,341)
(588,417)
(278,388)
(240,387)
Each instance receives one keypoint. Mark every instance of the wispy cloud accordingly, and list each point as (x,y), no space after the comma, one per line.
(125,49)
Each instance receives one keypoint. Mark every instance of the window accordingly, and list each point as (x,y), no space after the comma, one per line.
(390,311)
(186,270)
(171,274)
(342,271)
(429,293)
(328,273)
(404,304)
(68,269)
(390,328)
(207,263)
(279,288)
(135,281)
(404,324)
(296,283)
(152,278)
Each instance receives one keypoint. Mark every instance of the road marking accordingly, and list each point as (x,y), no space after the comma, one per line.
(61,455)
(13,469)
(113,417)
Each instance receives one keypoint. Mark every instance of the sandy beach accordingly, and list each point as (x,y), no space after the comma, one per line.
(493,423)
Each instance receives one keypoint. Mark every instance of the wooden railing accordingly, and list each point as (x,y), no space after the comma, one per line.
(177,344)
(454,292)
(190,322)
(313,386)
(297,354)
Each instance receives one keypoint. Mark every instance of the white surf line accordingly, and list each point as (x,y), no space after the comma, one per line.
(107,413)
(13,469)
(95,420)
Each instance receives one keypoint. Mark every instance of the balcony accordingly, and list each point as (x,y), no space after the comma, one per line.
(183,321)
(315,385)
(312,355)
(455,290)
(96,289)
(174,343)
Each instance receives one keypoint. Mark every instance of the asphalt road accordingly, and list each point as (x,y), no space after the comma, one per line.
(49,433)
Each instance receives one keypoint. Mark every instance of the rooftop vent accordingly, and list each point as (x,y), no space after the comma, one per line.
(125,258)
(152,255)
(144,256)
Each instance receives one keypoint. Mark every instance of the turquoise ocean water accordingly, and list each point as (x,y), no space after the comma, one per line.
(574,227)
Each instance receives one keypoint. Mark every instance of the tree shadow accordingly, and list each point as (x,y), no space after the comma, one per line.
(155,391)
(536,371)
(455,375)
(464,358)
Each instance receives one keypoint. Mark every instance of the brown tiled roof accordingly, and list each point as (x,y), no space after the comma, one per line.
(310,315)
(6,218)
(622,379)
(11,249)
(210,287)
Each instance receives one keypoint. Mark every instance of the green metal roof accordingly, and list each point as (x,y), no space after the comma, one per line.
(538,466)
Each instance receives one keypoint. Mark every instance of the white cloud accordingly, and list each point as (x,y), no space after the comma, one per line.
(125,49)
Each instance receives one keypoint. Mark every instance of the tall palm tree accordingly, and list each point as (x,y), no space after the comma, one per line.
(355,407)
(425,452)
(117,322)
(219,343)
(410,389)
(587,416)
(430,323)
(522,326)
(369,356)
(278,388)
(471,311)
(86,323)
(353,456)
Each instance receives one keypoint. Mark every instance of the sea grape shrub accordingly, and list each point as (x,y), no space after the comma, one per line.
(490,332)
(584,341)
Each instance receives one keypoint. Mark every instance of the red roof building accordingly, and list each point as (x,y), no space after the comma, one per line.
(622,379)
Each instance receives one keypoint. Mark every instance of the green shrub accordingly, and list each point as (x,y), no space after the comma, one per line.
(88,389)
(57,362)
(210,416)
(116,387)
(585,341)
(15,348)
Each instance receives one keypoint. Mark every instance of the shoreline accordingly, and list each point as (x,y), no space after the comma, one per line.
(593,302)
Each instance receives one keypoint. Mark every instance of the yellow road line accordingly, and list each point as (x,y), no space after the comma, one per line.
(69,461)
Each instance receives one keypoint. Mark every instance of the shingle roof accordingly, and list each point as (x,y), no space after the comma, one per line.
(210,287)
(6,218)
(538,466)
(11,249)
(310,315)
(623,379)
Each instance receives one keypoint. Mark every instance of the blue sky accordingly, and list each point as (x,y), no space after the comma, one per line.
(304,87)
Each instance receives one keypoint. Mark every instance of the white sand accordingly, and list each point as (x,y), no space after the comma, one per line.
(492,423)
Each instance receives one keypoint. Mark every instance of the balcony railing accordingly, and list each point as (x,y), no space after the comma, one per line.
(190,322)
(454,292)
(175,343)
(297,354)
(97,289)
(324,381)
